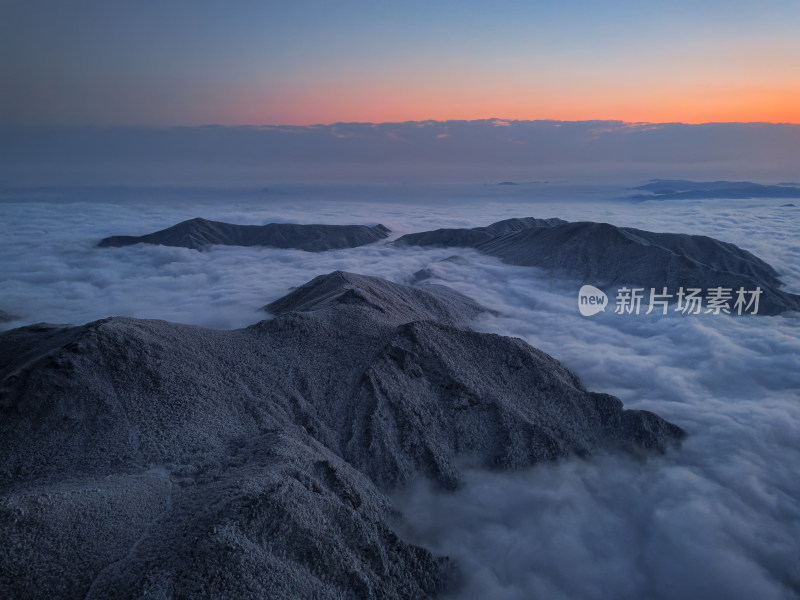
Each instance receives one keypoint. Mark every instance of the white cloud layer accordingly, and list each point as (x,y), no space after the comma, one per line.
(718,518)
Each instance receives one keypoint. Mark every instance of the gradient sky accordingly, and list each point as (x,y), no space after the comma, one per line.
(165,62)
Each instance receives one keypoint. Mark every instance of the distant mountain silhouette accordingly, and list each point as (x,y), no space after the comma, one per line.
(198,234)
(667,189)
(463,237)
(607,255)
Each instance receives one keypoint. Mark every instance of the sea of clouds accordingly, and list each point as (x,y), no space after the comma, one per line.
(717,518)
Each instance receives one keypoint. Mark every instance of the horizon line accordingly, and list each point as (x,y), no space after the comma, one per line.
(499,120)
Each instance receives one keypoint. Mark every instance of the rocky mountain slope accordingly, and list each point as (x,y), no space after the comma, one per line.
(144,458)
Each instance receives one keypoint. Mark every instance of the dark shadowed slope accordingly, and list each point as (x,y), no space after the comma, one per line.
(201,233)
(144,458)
(670,189)
(607,255)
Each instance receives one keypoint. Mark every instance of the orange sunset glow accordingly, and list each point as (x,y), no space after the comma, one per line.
(720,104)
(676,62)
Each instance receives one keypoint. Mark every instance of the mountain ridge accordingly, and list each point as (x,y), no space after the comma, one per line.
(199,233)
(607,255)
(254,461)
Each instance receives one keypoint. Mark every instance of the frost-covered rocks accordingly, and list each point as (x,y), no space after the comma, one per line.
(144,458)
